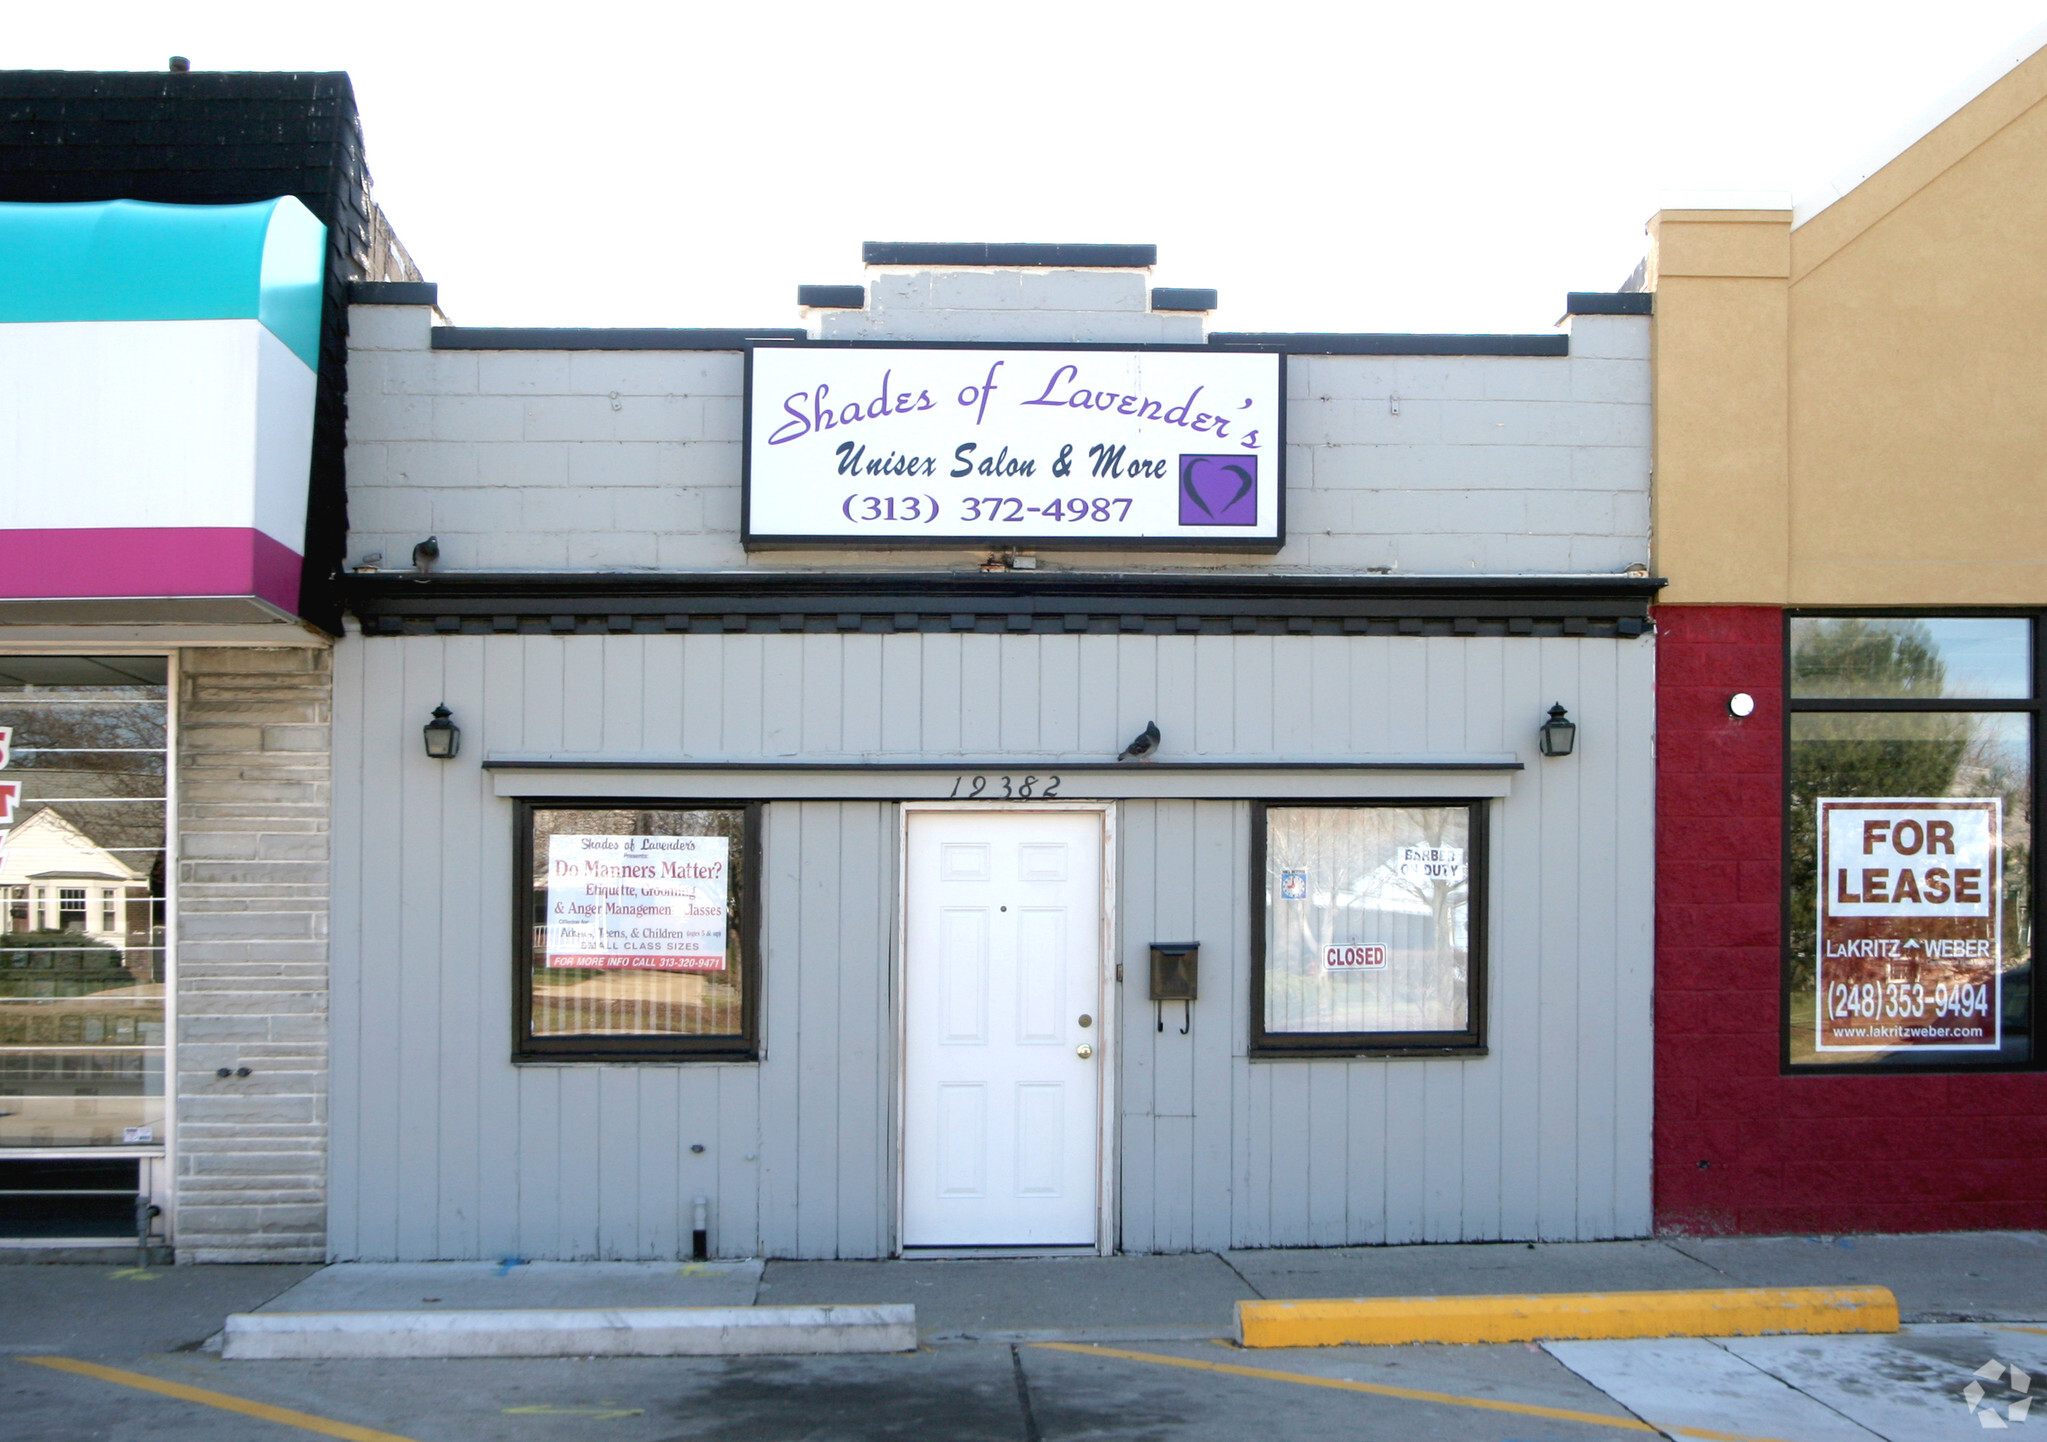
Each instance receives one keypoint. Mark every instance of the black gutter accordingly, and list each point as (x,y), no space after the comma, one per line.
(1345,343)
(471,337)
(401,603)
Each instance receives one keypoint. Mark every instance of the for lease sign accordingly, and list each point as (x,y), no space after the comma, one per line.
(1909,924)
(1008,446)
(650,903)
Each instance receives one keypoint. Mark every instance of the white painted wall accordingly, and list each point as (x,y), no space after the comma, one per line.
(443,1148)
(158,424)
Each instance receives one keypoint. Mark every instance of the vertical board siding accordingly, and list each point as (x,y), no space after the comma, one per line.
(442,1148)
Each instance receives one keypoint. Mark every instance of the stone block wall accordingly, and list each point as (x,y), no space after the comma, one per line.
(254,784)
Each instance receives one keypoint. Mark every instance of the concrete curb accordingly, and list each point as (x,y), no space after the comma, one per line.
(571,1332)
(1574,1316)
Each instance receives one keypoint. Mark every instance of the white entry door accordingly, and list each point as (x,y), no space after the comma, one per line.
(1003,1028)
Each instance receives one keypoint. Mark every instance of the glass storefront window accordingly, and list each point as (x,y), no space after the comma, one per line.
(1959,658)
(637,932)
(1367,936)
(82,928)
(1909,858)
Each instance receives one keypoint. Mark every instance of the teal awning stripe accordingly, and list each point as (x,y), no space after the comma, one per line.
(134,260)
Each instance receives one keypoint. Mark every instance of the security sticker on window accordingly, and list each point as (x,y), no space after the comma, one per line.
(1911,936)
(1293,886)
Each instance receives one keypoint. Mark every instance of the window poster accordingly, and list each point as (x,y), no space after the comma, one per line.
(645,903)
(1910,924)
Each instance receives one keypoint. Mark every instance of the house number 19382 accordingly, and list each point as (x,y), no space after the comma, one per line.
(1004,787)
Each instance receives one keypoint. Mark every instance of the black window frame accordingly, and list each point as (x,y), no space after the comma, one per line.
(527,1050)
(1470,1042)
(2034,706)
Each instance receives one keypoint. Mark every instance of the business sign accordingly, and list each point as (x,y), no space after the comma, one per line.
(643,903)
(1910,929)
(1431,863)
(1353,958)
(1176,447)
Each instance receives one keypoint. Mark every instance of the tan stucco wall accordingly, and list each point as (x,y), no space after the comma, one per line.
(1854,411)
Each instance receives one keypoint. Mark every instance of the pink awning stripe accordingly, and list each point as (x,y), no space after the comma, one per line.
(148,562)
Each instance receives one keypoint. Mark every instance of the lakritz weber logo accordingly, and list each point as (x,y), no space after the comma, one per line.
(1986,1412)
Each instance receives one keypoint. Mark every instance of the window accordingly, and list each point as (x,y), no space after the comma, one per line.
(1370,929)
(637,932)
(1908,858)
(82,1011)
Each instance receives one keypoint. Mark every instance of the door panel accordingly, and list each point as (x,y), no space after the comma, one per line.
(1001,1121)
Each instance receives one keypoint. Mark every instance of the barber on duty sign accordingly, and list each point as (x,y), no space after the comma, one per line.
(981,445)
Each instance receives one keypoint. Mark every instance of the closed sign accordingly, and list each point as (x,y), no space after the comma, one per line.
(1014,446)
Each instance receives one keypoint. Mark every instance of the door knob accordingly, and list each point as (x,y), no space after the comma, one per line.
(1083,1051)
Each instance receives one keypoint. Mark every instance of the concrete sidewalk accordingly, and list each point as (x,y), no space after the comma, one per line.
(1946,1277)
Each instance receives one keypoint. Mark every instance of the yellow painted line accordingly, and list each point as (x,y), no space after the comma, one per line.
(1578,1316)
(1405,1394)
(283,1416)
(2036,1331)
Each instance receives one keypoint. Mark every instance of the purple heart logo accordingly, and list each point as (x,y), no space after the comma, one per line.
(1218,490)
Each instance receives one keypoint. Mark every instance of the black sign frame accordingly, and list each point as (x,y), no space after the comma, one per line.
(1260,545)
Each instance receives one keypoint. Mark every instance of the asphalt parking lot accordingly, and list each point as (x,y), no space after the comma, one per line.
(90,1352)
(966,1391)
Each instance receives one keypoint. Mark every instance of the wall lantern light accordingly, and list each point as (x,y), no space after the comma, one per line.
(443,736)
(1558,734)
(1741,704)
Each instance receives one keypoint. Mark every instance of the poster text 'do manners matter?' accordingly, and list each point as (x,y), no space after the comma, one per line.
(646,903)
(1014,446)
(1910,925)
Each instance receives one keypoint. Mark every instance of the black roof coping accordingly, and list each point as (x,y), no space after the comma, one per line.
(73,85)
(1600,302)
(393,292)
(471,337)
(981,252)
(1179,297)
(1337,343)
(832,297)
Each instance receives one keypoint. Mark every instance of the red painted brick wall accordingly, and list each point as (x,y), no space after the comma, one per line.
(1740,1147)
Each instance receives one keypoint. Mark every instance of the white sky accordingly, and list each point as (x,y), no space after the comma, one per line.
(1325,166)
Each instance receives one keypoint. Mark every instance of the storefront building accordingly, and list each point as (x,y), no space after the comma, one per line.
(997,768)
(171,412)
(1849,428)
